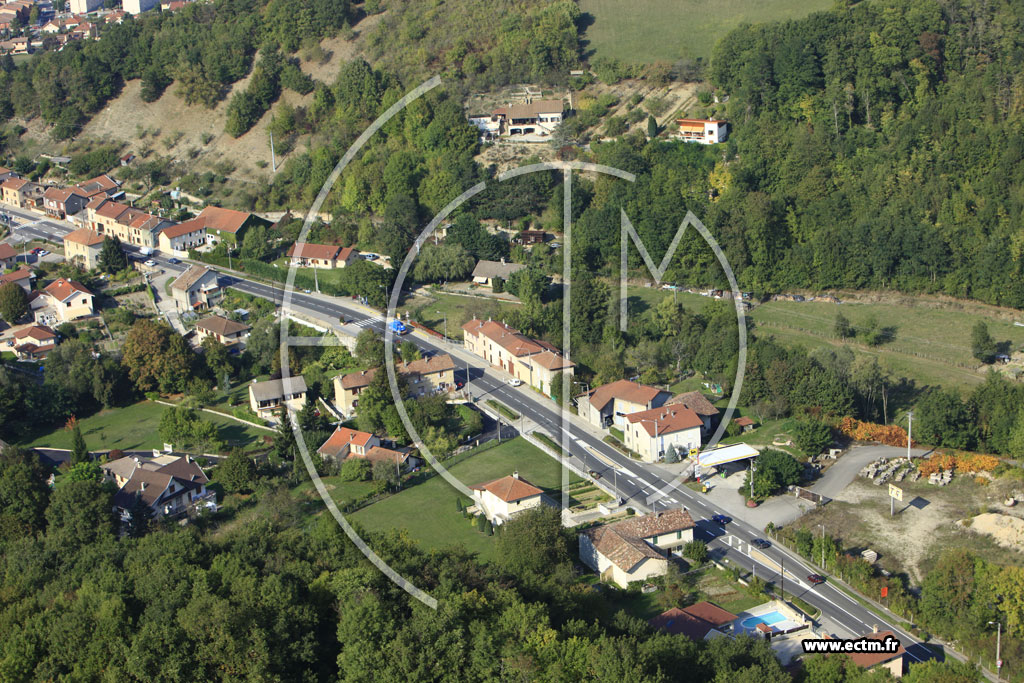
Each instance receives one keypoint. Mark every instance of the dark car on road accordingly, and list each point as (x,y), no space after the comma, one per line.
(173,260)
(720,519)
(816,579)
(761,543)
(594,474)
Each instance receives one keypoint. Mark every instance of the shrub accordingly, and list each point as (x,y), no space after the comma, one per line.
(696,551)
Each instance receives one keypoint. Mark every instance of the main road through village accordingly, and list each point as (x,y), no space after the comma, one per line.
(635,482)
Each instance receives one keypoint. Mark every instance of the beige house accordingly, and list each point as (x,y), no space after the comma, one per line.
(22,193)
(345,442)
(61,301)
(267,398)
(198,288)
(609,404)
(308,255)
(128,224)
(651,432)
(533,361)
(502,499)
(637,548)
(34,342)
(423,377)
(182,236)
(83,245)
(228,224)
(222,329)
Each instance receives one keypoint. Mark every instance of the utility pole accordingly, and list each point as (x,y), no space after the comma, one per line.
(316,280)
(499,425)
(910,430)
(751,478)
(782,577)
(999,637)
(445,324)
(273,158)
(227,247)
(822,546)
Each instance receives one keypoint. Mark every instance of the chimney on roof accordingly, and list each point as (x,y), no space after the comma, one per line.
(188,458)
(142,487)
(515,475)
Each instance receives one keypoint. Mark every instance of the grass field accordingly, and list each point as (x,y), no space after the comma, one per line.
(653,30)
(136,428)
(434,310)
(427,511)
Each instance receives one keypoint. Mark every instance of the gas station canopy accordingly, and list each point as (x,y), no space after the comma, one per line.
(724,454)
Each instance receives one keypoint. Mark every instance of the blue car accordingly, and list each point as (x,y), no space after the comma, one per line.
(720,519)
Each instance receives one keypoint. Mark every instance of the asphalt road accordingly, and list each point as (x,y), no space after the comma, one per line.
(634,481)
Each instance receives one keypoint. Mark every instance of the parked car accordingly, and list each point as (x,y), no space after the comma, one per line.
(720,519)
(514,382)
(150,263)
(594,474)
(43,252)
(815,579)
(173,260)
(761,543)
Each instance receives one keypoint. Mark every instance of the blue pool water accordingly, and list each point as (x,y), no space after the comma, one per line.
(768,619)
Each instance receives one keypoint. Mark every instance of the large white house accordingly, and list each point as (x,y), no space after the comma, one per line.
(703,131)
(502,499)
(609,404)
(636,548)
(651,432)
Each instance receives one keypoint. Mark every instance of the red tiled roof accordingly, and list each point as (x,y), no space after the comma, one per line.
(15,276)
(324,252)
(111,210)
(624,390)
(7,251)
(509,338)
(38,332)
(694,621)
(63,289)
(743,421)
(669,419)
(695,401)
(226,220)
(84,236)
(623,542)
(867,660)
(346,253)
(343,436)
(179,229)
(61,194)
(14,183)
(442,362)
(101,183)
(509,489)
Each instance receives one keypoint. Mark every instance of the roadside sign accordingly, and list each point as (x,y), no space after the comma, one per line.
(896,492)
(999,664)
(694,452)
(885,591)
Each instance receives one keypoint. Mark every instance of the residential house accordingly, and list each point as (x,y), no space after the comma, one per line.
(61,301)
(170,485)
(267,398)
(502,499)
(198,288)
(486,272)
(530,237)
(183,236)
(83,245)
(100,186)
(23,276)
(16,46)
(402,458)
(609,404)
(8,256)
(138,6)
(893,661)
(60,202)
(227,224)
(22,193)
(345,442)
(308,255)
(534,117)
(423,377)
(6,173)
(698,403)
(533,361)
(703,131)
(636,548)
(745,423)
(34,342)
(128,224)
(84,6)
(222,329)
(701,621)
(651,432)
(128,158)
(84,30)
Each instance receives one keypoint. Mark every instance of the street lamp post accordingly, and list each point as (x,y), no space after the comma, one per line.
(910,430)
(657,434)
(822,546)
(999,637)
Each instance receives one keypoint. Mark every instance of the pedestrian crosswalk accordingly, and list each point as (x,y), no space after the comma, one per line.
(367,322)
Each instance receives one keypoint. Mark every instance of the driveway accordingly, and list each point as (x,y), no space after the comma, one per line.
(845,469)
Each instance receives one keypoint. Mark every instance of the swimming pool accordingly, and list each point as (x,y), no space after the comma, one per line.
(768,619)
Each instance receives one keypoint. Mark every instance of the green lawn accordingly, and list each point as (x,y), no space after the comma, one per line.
(655,30)
(640,299)
(428,512)
(136,428)
(434,310)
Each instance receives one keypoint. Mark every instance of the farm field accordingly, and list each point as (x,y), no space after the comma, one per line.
(427,511)
(135,427)
(646,31)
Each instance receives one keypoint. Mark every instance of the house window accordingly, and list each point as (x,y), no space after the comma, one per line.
(654,540)
(679,534)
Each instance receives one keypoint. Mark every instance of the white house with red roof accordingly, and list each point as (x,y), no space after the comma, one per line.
(502,499)
(182,236)
(345,442)
(308,255)
(636,548)
(61,301)
(651,432)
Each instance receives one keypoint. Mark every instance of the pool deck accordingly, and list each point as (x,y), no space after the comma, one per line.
(792,619)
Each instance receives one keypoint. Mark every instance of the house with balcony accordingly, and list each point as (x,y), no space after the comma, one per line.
(169,485)
(34,342)
(702,131)
(269,398)
(609,404)
(197,289)
(22,193)
(534,117)
(61,301)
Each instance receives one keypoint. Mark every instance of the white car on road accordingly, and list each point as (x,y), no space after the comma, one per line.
(515,382)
